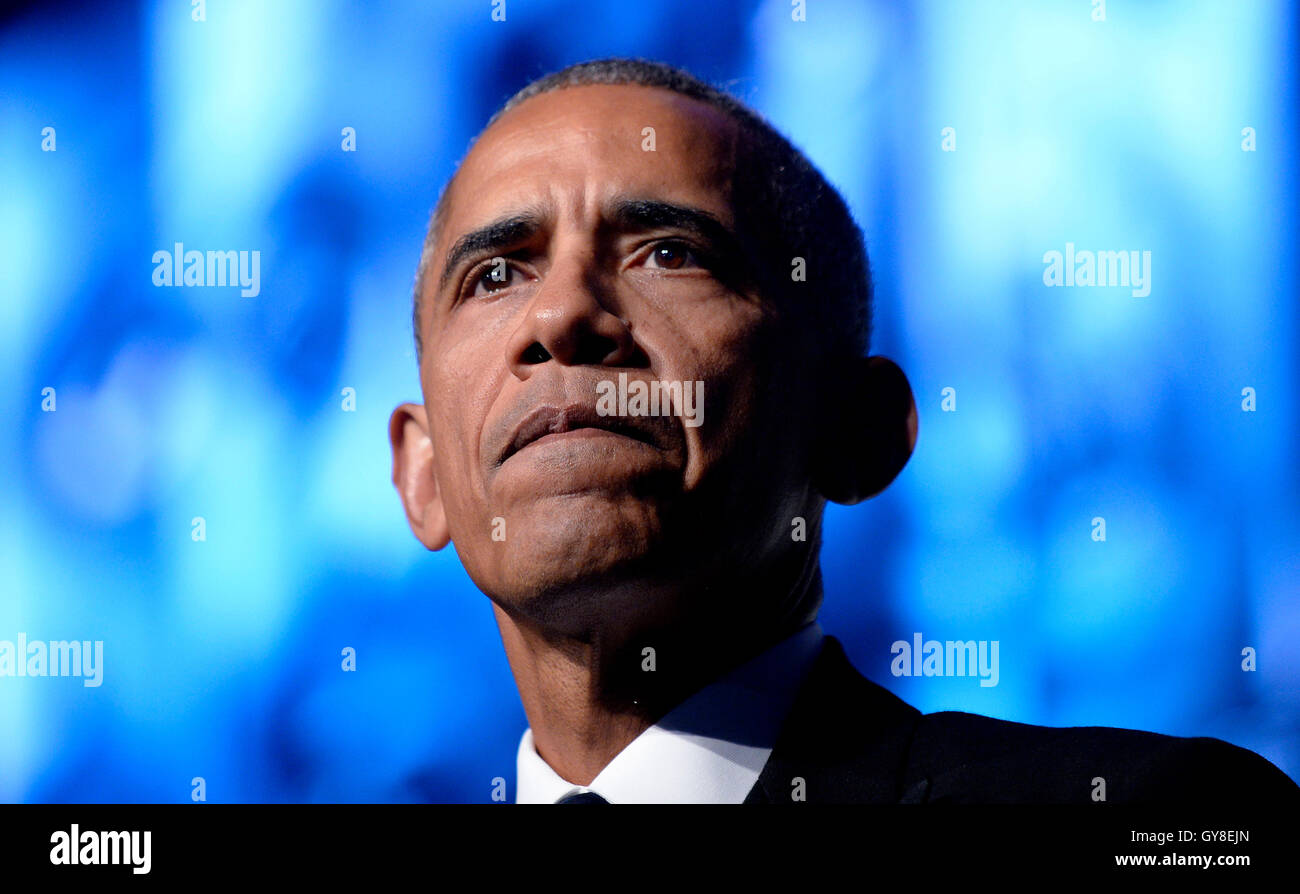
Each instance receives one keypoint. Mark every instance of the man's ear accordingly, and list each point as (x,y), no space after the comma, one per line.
(408,432)
(866,432)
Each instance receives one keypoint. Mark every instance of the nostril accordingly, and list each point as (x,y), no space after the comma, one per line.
(595,349)
(536,354)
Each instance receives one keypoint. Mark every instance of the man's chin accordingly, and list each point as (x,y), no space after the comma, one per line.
(568,579)
(534,570)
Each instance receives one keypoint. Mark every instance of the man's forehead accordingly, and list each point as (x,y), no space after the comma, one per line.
(601,141)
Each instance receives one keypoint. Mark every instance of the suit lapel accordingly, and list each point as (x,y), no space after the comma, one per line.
(845,741)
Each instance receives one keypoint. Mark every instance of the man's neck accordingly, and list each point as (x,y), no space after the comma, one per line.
(587,699)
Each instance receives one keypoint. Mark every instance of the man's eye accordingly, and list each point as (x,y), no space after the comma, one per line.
(494,277)
(673,256)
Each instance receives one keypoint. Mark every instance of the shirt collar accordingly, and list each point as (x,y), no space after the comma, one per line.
(710,749)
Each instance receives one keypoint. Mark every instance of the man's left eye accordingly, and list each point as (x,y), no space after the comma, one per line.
(673,256)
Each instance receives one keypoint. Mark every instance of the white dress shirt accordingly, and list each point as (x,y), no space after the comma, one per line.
(710,749)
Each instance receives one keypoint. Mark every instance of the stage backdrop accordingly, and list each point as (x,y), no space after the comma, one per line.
(198,478)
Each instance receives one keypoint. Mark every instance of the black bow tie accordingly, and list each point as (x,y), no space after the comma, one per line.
(582,798)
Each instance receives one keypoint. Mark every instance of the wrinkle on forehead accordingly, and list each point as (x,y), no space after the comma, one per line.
(589,134)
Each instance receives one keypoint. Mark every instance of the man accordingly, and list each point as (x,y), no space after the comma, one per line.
(620,229)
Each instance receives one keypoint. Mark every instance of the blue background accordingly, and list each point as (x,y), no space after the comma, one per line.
(222,658)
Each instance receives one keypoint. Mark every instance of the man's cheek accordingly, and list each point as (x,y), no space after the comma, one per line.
(454,473)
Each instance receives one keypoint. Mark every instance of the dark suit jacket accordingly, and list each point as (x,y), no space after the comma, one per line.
(851,741)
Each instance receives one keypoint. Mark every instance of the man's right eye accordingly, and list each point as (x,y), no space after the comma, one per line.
(493,277)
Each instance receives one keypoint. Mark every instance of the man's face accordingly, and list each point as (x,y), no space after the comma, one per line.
(615,258)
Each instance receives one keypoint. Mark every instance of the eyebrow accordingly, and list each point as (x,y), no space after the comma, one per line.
(626,215)
(653,214)
(491,239)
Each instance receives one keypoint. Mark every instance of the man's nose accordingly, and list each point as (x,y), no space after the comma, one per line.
(569,320)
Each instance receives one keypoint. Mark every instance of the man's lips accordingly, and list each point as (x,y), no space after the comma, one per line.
(551,420)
